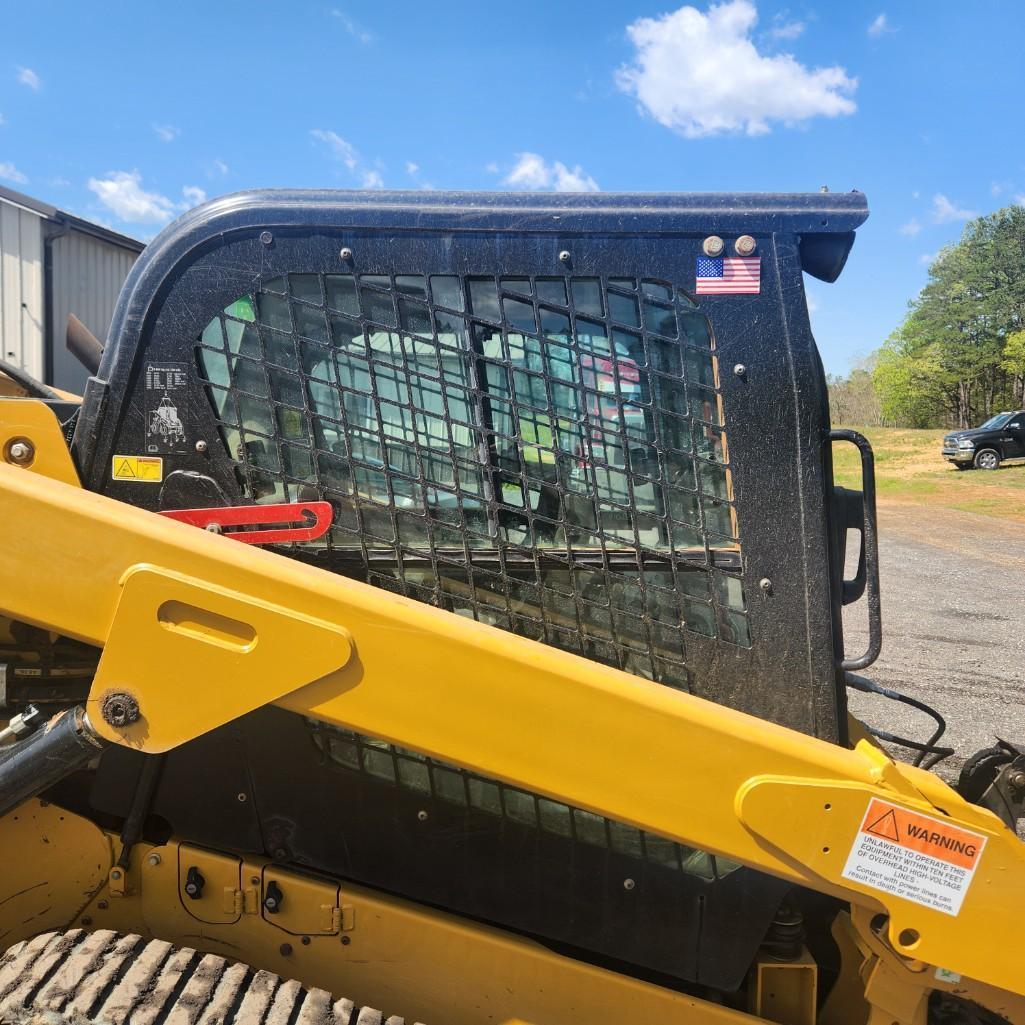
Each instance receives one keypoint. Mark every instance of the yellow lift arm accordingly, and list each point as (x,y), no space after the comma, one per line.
(197,630)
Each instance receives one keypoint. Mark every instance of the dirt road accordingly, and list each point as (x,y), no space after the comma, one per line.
(953,587)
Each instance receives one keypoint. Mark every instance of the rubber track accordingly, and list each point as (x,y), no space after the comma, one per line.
(108,979)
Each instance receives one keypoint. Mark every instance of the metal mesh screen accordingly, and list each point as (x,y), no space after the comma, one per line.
(546,454)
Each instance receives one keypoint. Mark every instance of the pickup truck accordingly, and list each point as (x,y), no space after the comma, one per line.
(984,448)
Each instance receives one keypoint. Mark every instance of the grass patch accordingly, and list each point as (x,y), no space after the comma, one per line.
(909,468)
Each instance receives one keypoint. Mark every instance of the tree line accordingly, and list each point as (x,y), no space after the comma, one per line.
(959,355)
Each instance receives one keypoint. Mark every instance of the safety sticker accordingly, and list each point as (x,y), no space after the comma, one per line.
(917,857)
(145,469)
(166,390)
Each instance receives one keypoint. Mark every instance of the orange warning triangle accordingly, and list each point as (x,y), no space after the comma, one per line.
(124,469)
(885,826)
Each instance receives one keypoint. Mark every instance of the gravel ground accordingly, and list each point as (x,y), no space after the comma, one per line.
(953,598)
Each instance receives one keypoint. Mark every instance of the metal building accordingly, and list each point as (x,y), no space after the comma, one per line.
(53,263)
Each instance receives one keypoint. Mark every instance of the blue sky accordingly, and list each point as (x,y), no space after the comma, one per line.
(130,113)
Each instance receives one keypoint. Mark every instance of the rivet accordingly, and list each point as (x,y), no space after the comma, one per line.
(21,452)
(266,238)
(564,256)
(740,370)
(745,245)
(765,584)
(242,797)
(422,815)
(628,884)
(345,253)
(201,445)
(713,246)
(154,859)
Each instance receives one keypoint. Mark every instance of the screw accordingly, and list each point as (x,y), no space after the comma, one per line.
(266,238)
(346,940)
(345,253)
(21,452)
(214,528)
(766,585)
(201,445)
(285,949)
(564,256)
(154,859)
(119,709)
(713,246)
(1017,779)
(422,815)
(242,797)
(115,874)
(740,370)
(628,884)
(102,905)
(745,245)
(306,941)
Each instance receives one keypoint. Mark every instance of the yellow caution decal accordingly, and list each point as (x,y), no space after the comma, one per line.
(142,469)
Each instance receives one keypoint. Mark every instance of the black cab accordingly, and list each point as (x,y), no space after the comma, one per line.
(1001,437)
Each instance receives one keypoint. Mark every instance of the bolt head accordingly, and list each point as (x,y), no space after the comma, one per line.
(21,452)
(115,874)
(765,584)
(422,816)
(266,238)
(154,859)
(740,370)
(119,709)
(564,256)
(345,253)
(242,797)
(628,884)
(713,246)
(1017,779)
(214,528)
(201,446)
(745,245)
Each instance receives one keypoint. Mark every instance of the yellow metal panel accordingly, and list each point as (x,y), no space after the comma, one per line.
(785,992)
(636,751)
(33,421)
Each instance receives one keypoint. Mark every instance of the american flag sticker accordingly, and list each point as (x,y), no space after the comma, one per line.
(728,275)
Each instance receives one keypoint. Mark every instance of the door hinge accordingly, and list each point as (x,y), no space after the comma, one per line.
(241,902)
(337,919)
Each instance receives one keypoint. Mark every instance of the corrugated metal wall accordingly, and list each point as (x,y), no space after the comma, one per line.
(87,276)
(21,288)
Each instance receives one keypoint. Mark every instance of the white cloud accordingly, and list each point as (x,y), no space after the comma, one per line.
(926,258)
(492,168)
(166,133)
(1019,198)
(59,183)
(28,77)
(784,29)
(944,211)
(411,168)
(220,167)
(879,26)
(812,299)
(121,192)
(532,171)
(701,74)
(912,227)
(372,180)
(995,188)
(338,147)
(10,173)
(354,30)
(915,194)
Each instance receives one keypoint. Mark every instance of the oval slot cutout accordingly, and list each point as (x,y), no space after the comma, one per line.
(204,625)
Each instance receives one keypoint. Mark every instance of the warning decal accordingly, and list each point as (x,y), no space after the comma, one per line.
(917,857)
(145,469)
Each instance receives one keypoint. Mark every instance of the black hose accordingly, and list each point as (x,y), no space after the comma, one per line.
(36,389)
(929,748)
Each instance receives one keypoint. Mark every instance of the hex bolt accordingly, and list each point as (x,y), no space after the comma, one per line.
(1017,779)
(345,253)
(266,238)
(628,884)
(119,709)
(564,256)
(766,585)
(422,815)
(154,859)
(745,245)
(740,370)
(713,246)
(201,445)
(21,452)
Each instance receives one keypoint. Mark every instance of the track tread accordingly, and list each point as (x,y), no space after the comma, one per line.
(104,978)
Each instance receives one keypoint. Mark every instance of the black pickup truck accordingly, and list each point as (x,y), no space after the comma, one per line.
(1001,437)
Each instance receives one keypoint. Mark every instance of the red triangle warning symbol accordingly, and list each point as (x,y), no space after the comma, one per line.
(885,826)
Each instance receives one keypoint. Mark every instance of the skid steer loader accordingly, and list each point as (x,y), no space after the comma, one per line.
(434,604)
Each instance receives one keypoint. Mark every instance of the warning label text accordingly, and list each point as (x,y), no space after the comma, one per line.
(917,857)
